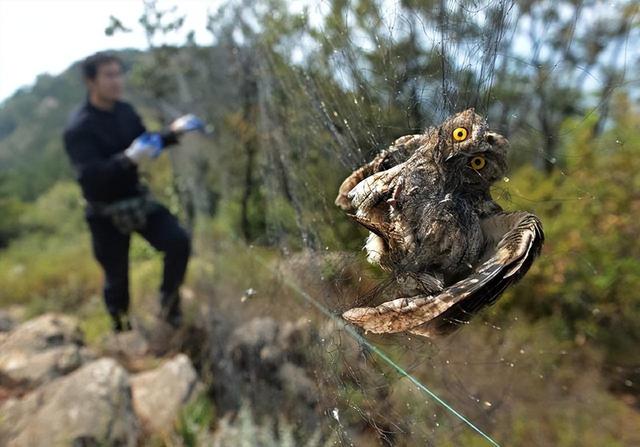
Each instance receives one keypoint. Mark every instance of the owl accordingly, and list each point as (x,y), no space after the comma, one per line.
(433,224)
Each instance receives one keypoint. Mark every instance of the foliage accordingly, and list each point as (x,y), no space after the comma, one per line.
(589,267)
(195,421)
(10,211)
(36,268)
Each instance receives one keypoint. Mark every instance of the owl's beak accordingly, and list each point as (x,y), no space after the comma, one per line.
(451,155)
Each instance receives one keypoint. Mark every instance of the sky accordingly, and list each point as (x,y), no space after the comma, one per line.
(47,36)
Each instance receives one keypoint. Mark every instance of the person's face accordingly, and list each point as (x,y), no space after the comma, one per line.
(109,81)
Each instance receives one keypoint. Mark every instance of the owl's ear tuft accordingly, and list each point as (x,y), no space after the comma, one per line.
(468,112)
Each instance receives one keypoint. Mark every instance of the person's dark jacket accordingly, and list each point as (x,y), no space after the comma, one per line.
(95,141)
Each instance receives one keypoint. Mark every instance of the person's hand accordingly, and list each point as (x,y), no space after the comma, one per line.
(146,147)
(187,123)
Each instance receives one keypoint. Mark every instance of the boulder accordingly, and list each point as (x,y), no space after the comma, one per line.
(270,361)
(39,350)
(128,344)
(160,394)
(130,348)
(297,383)
(7,321)
(91,406)
(253,346)
(297,336)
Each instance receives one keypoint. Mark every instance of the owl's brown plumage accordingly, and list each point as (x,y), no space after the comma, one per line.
(427,204)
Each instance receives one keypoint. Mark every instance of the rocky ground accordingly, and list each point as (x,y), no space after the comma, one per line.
(57,391)
(132,387)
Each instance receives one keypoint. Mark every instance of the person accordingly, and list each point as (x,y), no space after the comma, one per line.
(106,142)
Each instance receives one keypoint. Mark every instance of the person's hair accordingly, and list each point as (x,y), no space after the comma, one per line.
(90,64)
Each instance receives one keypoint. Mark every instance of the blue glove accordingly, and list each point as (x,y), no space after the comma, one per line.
(187,123)
(145,147)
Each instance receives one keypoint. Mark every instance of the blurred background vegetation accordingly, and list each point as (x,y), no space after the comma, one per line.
(299,95)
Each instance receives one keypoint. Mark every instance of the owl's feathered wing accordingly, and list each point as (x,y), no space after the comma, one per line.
(397,153)
(514,240)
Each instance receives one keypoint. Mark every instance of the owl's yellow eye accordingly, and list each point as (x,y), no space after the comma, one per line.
(477,162)
(460,134)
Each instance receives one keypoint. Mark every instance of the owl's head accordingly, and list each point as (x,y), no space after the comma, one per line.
(471,151)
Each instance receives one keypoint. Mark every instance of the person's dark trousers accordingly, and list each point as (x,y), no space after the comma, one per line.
(111,249)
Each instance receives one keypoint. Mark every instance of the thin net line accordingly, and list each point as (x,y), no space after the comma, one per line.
(359,338)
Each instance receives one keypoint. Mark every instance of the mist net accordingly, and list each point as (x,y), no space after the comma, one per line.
(310,93)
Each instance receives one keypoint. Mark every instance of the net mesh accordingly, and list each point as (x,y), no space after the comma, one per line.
(319,90)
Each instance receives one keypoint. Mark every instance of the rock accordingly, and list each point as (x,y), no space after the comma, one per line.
(229,429)
(127,344)
(41,349)
(297,336)
(159,394)
(254,345)
(6,321)
(254,334)
(295,381)
(130,348)
(91,406)
(15,312)
(45,331)
(262,347)
(267,357)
